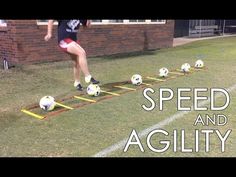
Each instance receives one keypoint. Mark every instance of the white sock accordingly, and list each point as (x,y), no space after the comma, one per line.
(88,78)
(76,83)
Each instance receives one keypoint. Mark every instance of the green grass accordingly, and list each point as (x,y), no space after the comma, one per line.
(90,129)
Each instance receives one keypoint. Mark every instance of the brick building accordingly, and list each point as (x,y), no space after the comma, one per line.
(22,41)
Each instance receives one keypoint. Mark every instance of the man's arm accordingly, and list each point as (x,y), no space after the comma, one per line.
(88,23)
(49,32)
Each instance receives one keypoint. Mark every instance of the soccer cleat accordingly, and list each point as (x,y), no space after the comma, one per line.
(90,79)
(93,81)
(79,87)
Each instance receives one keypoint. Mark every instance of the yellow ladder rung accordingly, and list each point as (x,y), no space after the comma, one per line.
(64,106)
(127,88)
(111,93)
(147,84)
(172,72)
(85,99)
(156,79)
(32,114)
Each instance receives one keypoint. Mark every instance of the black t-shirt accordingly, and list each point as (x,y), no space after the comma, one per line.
(69,29)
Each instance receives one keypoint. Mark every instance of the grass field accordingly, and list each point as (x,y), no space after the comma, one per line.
(88,130)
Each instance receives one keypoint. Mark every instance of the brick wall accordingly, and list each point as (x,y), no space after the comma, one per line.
(22,41)
(6,43)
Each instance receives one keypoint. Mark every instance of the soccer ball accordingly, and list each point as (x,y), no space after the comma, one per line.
(199,64)
(136,79)
(185,67)
(163,72)
(47,103)
(93,90)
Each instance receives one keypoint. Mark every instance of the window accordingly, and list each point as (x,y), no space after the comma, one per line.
(159,21)
(132,21)
(116,21)
(3,23)
(136,21)
(96,21)
(44,22)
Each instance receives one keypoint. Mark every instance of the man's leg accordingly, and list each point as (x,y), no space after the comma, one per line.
(76,49)
(76,70)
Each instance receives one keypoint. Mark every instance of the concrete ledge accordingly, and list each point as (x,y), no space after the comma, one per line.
(186,40)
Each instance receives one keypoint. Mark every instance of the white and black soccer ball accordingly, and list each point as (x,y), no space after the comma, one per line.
(163,72)
(199,64)
(47,103)
(136,79)
(185,67)
(93,90)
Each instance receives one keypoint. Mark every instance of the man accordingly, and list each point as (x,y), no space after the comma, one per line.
(67,41)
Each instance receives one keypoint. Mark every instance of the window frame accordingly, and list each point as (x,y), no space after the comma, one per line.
(107,22)
(3,23)
(45,22)
(127,22)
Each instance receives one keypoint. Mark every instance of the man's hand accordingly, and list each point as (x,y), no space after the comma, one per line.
(88,23)
(47,37)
